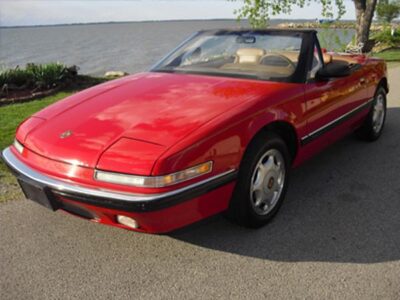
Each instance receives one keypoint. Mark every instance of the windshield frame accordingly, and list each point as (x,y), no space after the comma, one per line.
(299,76)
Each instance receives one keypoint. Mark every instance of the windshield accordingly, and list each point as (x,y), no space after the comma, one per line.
(260,55)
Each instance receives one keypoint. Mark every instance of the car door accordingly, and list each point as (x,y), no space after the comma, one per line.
(330,105)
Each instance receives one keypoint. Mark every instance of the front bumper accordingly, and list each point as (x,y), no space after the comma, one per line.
(188,200)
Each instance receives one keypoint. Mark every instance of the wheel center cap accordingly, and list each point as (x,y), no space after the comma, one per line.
(271,182)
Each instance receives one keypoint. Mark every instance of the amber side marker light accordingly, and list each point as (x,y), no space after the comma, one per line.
(154,181)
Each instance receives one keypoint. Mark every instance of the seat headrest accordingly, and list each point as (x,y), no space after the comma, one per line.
(249,55)
(327,58)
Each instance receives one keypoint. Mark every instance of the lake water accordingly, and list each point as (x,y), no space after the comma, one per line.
(97,48)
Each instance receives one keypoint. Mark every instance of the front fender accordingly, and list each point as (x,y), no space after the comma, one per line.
(225,139)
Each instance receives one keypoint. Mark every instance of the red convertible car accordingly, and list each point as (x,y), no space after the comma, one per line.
(216,126)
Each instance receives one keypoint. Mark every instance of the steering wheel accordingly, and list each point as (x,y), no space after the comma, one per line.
(290,64)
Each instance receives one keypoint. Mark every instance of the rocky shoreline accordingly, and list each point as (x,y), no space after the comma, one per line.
(331,25)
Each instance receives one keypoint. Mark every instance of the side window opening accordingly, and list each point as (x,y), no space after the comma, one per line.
(316,63)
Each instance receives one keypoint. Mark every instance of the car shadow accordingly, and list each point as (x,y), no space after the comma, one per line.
(342,206)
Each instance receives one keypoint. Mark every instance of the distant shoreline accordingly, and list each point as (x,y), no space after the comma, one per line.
(275,21)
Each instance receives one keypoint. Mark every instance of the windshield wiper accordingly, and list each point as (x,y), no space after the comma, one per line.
(165,70)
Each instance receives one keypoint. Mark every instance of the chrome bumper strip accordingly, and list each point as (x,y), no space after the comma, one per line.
(64,187)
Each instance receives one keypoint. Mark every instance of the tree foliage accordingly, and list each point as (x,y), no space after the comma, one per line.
(387,10)
(258,12)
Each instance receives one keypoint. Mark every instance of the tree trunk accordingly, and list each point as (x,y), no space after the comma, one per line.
(364,12)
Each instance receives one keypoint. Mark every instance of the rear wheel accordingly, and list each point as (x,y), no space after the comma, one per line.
(262,182)
(373,126)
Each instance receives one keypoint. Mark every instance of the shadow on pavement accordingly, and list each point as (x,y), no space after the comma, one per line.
(342,206)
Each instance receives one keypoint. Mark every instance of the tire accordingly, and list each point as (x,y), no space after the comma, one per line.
(260,171)
(373,125)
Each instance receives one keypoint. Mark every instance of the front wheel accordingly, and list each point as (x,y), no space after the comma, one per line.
(373,125)
(262,182)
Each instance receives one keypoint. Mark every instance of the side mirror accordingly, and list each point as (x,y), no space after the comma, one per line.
(333,70)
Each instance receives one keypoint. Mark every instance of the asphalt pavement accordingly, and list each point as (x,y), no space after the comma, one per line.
(337,236)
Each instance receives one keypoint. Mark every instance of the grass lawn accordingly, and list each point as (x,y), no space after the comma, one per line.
(389,56)
(10,117)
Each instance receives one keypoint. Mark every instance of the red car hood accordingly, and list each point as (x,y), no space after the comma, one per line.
(158,108)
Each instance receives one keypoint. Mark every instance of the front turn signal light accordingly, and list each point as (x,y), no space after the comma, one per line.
(154,181)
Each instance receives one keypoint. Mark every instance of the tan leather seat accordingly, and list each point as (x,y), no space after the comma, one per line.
(348,59)
(249,55)
(292,55)
(327,58)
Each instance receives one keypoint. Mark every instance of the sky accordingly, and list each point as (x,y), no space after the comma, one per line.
(49,12)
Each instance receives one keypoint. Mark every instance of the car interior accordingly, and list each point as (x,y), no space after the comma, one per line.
(260,61)
(282,64)
(267,57)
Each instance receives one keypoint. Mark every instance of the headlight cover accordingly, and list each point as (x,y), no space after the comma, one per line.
(154,181)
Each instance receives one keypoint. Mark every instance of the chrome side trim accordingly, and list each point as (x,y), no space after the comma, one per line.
(335,122)
(14,163)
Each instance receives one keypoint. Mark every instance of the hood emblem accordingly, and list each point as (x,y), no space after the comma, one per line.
(65,134)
